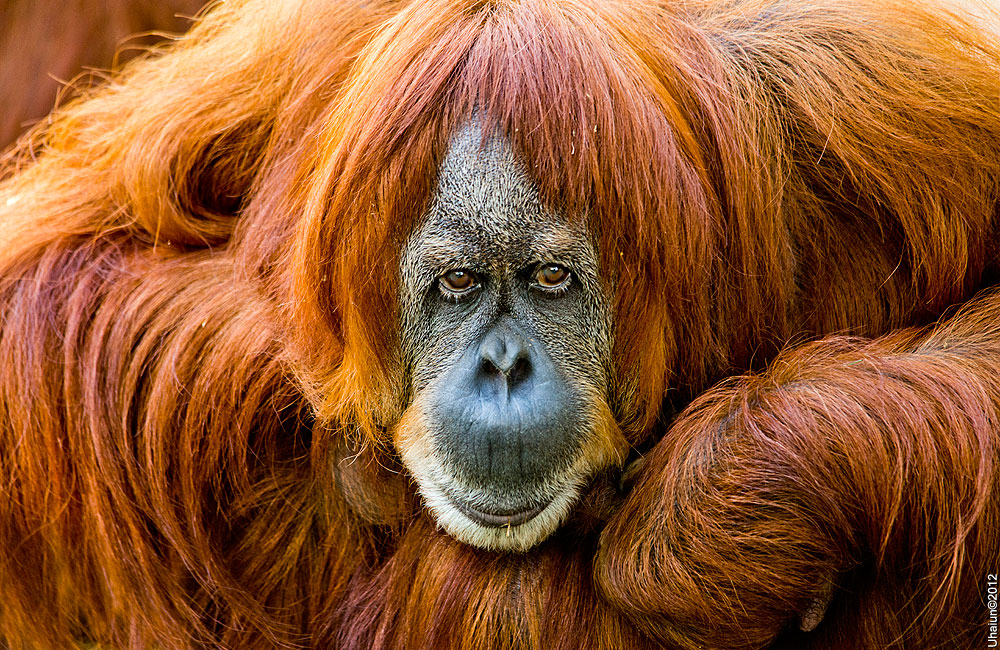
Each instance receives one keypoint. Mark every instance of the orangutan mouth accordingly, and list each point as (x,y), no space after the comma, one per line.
(498,519)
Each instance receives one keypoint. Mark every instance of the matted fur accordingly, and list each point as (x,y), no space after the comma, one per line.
(198,372)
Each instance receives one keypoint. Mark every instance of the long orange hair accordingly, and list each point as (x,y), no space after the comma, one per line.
(198,277)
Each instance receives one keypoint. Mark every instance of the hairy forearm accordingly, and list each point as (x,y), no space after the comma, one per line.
(881,456)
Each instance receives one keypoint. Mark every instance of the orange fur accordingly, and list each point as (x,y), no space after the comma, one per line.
(198,361)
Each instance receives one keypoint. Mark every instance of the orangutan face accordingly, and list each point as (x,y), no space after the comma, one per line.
(507,339)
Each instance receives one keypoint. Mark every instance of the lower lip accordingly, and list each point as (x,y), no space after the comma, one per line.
(490,520)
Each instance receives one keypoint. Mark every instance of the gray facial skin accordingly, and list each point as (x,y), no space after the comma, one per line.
(509,374)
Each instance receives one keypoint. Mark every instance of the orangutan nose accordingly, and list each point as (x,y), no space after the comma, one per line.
(506,353)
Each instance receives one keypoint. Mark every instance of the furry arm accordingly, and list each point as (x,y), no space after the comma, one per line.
(885,452)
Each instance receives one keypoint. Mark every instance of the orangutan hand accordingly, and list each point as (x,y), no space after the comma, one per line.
(752,513)
(720,527)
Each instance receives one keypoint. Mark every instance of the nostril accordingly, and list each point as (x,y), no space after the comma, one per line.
(519,371)
(489,368)
(492,353)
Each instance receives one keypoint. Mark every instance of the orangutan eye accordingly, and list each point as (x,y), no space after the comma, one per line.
(552,277)
(458,282)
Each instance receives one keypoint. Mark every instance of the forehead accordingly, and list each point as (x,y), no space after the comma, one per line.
(485,203)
